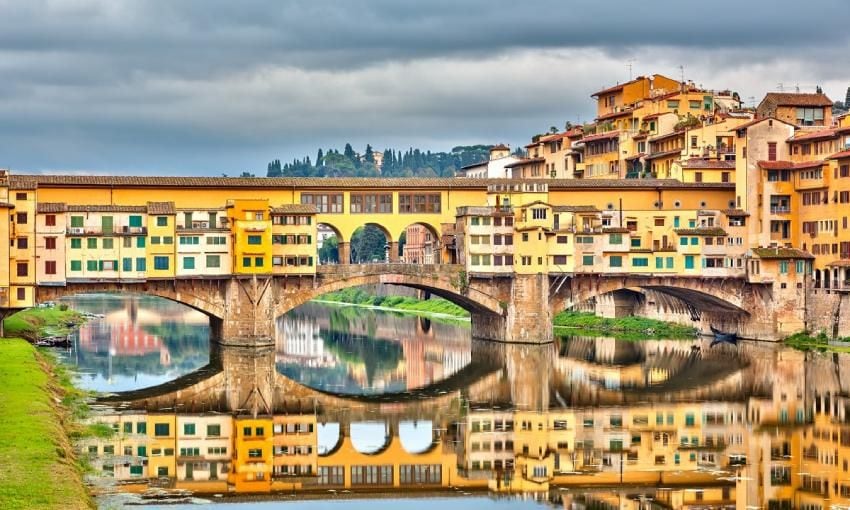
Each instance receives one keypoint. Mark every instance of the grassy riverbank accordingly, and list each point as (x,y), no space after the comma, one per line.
(37,405)
(623,327)
(35,323)
(819,342)
(357,296)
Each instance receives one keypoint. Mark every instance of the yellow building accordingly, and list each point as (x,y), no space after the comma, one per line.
(161,230)
(22,269)
(162,433)
(253,459)
(251,228)
(293,239)
(203,242)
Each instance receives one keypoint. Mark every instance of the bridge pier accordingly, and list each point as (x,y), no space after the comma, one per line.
(248,313)
(526,317)
(344,252)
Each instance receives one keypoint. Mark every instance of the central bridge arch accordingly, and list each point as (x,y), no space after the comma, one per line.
(445,281)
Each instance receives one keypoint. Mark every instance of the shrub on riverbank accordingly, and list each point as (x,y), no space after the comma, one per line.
(357,296)
(36,455)
(35,323)
(637,325)
(805,341)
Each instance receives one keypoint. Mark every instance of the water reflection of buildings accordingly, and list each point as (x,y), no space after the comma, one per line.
(619,425)
(430,351)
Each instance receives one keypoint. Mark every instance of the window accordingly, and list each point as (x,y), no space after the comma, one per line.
(255,239)
(91,265)
(783,267)
(331,475)
(76,221)
(615,261)
(76,243)
(587,260)
(255,453)
(76,265)
(615,238)
(50,267)
(108,243)
(371,203)
(21,196)
(694,105)
(219,240)
(160,263)
(167,240)
(189,429)
(640,262)
(214,430)
(91,243)
(771,151)
(324,202)
(21,218)
(127,264)
(419,203)
(689,261)
(162,221)
(50,220)
(161,429)
(23,243)
(246,261)
(140,242)
(420,474)
(22,269)
(258,262)
(538,214)
(141,264)
(213,261)
(188,262)
(372,475)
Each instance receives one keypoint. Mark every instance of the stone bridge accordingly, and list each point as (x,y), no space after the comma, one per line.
(515,308)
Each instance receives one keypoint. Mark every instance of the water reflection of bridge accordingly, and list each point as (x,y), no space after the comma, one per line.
(656,414)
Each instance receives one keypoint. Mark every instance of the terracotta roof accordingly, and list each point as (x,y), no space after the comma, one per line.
(656,115)
(50,207)
(6,205)
(500,147)
(550,138)
(574,132)
(797,99)
(817,135)
(708,163)
(672,134)
(614,115)
(753,122)
(789,165)
(656,155)
(161,208)
(839,263)
(617,87)
(636,156)
(840,155)
(639,136)
(781,253)
(615,230)
(701,231)
(475,165)
(107,208)
(523,162)
(735,213)
(574,208)
(295,209)
(601,136)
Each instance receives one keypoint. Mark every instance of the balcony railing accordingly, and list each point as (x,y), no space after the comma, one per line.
(779,209)
(108,231)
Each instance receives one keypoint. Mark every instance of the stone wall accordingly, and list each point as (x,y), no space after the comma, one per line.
(828,311)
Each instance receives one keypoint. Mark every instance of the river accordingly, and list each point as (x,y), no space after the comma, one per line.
(358,408)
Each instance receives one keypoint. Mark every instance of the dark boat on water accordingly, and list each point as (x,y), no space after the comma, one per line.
(722,337)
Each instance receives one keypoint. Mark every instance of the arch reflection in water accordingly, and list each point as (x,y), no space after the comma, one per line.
(139,341)
(346,349)
(608,424)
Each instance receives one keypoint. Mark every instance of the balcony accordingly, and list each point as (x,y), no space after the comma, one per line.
(780,209)
(132,231)
(88,231)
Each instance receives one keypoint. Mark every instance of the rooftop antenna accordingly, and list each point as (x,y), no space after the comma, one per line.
(682,76)
(629,63)
(797,88)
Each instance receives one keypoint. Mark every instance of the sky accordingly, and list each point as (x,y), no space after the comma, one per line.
(206,87)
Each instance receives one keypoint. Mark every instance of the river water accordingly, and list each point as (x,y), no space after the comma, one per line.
(358,408)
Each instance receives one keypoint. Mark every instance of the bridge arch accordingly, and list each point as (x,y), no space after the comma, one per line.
(207,297)
(444,282)
(421,245)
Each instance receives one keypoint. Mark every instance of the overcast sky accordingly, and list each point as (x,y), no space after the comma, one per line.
(211,87)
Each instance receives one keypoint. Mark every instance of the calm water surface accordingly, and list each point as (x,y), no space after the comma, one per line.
(355,408)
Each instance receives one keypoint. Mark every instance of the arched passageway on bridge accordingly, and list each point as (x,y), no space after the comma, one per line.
(416,436)
(420,244)
(372,243)
(370,437)
(330,244)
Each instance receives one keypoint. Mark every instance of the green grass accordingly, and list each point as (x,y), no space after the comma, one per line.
(357,296)
(38,469)
(35,323)
(805,341)
(628,328)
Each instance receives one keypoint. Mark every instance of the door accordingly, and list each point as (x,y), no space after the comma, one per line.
(190,471)
(106,223)
(213,470)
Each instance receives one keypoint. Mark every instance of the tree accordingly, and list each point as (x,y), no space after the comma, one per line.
(320,158)
(247,174)
(329,252)
(553,130)
(368,156)
(368,244)
(847,98)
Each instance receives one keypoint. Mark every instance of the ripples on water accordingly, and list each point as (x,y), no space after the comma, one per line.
(372,409)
